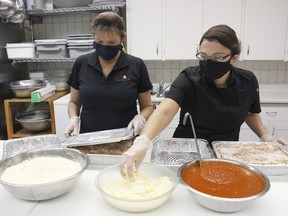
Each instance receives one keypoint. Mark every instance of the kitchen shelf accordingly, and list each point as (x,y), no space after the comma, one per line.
(23,132)
(91,8)
(38,60)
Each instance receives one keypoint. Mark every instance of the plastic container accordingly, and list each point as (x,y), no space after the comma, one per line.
(51,48)
(20,50)
(59,77)
(40,75)
(76,51)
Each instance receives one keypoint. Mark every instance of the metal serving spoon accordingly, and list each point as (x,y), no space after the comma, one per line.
(194,133)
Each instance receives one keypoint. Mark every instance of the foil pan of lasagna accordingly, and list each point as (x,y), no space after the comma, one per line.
(270,158)
(103,147)
(105,154)
(177,151)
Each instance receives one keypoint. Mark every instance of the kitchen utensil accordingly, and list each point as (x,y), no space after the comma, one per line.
(194,134)
(23,88)
(46,190)
(222,204)
(37,120)
(135,205)
(7,9)
(19,15)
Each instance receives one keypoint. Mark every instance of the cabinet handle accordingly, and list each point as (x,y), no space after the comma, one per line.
(271,113)
(248,49)
(157,49)
(273,131)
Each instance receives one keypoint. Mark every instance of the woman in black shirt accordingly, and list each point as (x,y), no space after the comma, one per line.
(219,97)
(107,83)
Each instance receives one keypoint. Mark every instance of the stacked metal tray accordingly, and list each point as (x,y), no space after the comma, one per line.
(177,151)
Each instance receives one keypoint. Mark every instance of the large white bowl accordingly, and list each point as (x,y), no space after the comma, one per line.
(221,204)
(46,190)
(135,205)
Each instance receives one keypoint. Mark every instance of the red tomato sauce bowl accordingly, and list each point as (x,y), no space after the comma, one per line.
(223,185)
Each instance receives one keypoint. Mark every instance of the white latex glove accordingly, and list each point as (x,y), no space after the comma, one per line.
(137,124)
(270,138)
(133,157)
(73,127)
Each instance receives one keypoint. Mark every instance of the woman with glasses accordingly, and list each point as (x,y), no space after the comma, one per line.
(218,96)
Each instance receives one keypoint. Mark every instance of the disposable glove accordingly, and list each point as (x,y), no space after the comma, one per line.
(270,138)
(133,157)
(137,124)
(73,127)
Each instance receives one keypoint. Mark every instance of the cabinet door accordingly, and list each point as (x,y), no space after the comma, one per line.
(223,12)
(144,28)
(286,47)
(182,28)
(265,29)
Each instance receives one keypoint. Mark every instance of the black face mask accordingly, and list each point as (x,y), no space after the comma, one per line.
(214,70)
(107,52)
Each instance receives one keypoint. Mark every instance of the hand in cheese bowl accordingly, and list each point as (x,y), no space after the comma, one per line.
(150,187)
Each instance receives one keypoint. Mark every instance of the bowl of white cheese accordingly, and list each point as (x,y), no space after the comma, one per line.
(151,186)
(42,174)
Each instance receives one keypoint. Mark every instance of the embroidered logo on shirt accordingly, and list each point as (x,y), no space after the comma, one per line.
(121,78)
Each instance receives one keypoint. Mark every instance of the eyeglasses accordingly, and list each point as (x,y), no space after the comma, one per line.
(216,58)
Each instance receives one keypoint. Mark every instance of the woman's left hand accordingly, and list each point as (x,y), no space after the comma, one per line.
(137,124)
(270,138)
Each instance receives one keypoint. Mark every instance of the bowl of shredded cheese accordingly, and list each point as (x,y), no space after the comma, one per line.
(42,174)
(150,187)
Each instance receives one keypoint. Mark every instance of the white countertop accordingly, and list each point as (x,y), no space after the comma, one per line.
(85,199)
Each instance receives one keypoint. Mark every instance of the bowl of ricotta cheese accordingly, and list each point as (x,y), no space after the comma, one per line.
(150,187)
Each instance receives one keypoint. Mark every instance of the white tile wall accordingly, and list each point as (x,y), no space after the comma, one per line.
(272,72)
(55,27)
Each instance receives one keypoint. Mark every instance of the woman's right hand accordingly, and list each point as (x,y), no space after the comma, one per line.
(73,127)
(134,156)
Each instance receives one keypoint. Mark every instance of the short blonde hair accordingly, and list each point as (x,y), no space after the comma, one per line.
(108,21)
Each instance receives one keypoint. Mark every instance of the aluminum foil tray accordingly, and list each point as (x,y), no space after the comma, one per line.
(177,151)
(15,146)
(99,137)
(270,158)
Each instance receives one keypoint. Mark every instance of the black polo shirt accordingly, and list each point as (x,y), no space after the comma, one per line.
(108,103)
(217,113)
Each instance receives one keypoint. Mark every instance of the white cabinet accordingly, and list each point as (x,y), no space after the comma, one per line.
(163,29)
(182,28)
(61,115)
(275,119)
(144,28)
(223,12)
(265,23)
(286,48)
